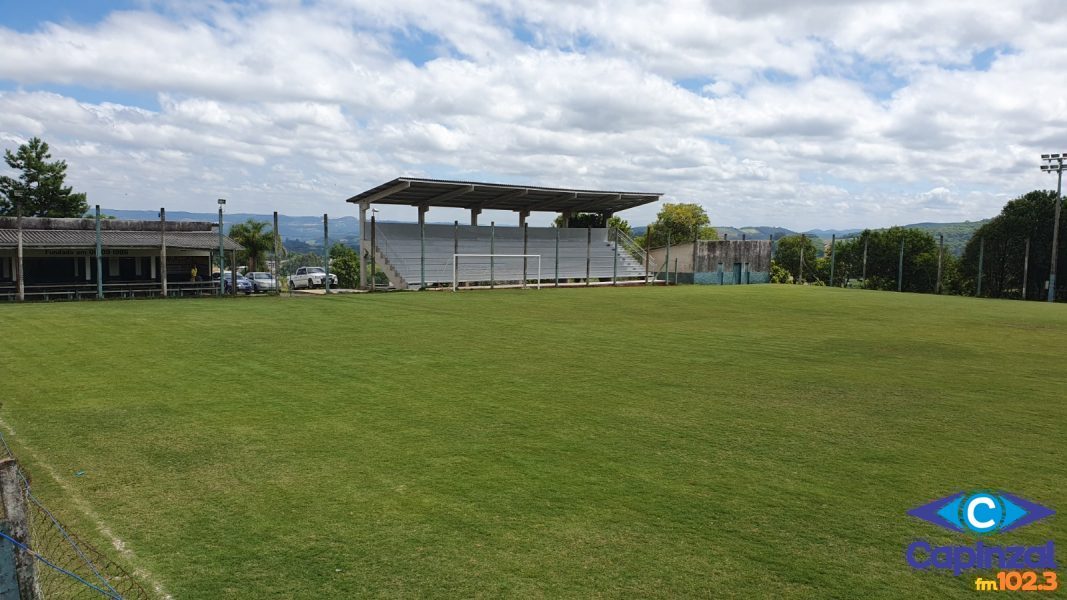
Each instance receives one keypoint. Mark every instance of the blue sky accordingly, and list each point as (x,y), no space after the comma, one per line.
(28,16)
(826,115)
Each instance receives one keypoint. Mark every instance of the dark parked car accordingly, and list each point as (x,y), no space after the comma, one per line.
(244,286)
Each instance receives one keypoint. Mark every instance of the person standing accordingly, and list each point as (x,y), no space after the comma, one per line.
(193,273)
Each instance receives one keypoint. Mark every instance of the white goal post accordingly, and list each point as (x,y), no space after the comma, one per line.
(455,265)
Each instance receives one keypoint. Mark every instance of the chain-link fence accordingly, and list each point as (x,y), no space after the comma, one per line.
(63,565)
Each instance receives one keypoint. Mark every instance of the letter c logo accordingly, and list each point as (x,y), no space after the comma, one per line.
(982,513)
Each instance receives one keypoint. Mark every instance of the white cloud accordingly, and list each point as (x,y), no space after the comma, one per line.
(825,113)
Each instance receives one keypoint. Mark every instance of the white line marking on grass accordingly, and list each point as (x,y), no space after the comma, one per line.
(86,510)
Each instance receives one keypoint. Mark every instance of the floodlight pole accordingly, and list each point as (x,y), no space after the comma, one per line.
(222,253)
(1058,167)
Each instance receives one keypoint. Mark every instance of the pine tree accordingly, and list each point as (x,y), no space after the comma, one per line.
(39,187)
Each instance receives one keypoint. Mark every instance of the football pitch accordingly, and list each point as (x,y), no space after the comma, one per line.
(755,441)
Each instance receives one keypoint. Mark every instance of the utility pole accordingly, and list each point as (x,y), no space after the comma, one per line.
(800,271)
(1055,164)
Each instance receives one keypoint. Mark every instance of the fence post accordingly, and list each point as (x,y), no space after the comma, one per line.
(696,245)
(588,252)
(277,253)
(900,266)
(648,248)
(422,252)
(981,259)
(1026,266)
(492,251)
(525,250)
(833,256)
(557,258)
(100,258)
(615,260)
(940,255)
(866,240)
(373,250)
(667,262)
(455,251)
(163,249)
(325,253)
(16,523)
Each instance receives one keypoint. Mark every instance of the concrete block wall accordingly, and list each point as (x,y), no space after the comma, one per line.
(719,262)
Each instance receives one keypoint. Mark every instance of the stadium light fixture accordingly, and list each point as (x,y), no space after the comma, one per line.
(1055,164)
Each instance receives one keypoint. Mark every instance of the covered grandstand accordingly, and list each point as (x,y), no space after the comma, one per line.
(419,255)
(55,258)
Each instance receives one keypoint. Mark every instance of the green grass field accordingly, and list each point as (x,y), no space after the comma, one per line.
(757,441)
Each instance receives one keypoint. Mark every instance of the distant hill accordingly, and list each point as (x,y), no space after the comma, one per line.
(306,232)
(761,232)
(956,234)
(308,229)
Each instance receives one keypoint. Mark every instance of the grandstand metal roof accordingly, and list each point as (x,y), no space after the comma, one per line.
(412,191)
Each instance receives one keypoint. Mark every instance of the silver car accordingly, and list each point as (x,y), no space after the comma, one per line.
(262,281)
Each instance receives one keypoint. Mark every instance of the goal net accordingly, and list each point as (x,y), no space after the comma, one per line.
(496,269)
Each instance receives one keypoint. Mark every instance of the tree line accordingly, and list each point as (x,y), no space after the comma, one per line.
(1014,246)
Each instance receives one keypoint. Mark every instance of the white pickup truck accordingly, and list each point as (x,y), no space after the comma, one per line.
(309,277)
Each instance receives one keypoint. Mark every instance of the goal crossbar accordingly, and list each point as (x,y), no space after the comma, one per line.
(455,265)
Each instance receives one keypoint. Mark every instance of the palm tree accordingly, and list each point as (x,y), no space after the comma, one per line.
(256,239)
